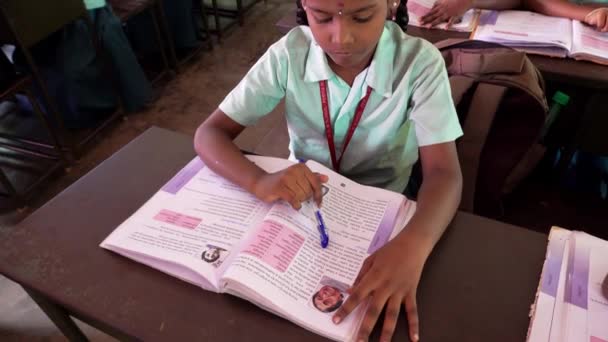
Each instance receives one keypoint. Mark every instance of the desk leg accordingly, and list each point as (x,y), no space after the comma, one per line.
(59,316)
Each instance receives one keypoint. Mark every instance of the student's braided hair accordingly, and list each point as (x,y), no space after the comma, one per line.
(401,17)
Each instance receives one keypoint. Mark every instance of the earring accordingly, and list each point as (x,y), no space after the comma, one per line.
(395,4)
(340,12)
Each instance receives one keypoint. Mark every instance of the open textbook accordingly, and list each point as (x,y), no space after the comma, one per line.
(205,230)
(416,9)
(539,34)
(570,305)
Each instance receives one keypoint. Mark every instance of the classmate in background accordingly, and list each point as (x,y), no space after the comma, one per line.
(451,10)
(593,13)
(363,64)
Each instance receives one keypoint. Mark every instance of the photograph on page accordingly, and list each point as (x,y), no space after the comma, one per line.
(214,255)
(329,295)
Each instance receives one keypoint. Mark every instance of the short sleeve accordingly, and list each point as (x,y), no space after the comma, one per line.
(431,105)
(260,91)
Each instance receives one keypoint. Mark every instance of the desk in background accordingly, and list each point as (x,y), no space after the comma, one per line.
(586,74)
(478,284)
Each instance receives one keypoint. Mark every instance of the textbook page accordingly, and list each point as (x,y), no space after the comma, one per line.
(570,305)
(523,29)
(551,278)
(570,317)
(188,228)
(416,9)
(598,303)
(589,44)
(282,268)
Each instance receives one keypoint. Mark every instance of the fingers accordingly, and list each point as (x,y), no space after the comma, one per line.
(304,189)
(357,295)
(371,316)
(431,15)
(315,185)
(603,22)
(411,310)
(450,22)
(436,18)
(367,264)
(440,19)
(390,318)
(599,21)
(289,196)
(295,186)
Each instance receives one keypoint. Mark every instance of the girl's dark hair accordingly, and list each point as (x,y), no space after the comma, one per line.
(401,17)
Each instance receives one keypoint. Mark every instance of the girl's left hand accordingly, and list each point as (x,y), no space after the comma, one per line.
(388,277)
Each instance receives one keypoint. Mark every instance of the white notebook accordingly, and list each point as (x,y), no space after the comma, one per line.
(570,305)
(539,34)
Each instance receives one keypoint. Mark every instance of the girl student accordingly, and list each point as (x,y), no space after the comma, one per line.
(367,100)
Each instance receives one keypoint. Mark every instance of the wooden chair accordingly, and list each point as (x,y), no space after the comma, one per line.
(235,9)
(21,150)
(201,12)
(126,9)
(25,23)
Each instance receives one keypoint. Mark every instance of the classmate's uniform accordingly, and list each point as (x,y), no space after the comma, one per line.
(410,104)
(93,4)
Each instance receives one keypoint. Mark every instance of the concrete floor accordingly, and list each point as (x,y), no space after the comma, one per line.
(182,105)
(187,100)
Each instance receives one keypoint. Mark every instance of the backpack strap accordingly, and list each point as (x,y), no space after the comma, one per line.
(476,57)
(459,85)
(478,122)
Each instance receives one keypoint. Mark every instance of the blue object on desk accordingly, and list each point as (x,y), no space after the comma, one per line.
(322,229)
(320,223)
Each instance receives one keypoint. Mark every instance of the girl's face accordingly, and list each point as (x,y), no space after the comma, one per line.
(347,30)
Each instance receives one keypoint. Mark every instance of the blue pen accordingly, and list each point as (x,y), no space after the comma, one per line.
(322,229)
(320,224)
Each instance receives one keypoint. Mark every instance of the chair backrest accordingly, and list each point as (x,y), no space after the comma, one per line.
(34,20)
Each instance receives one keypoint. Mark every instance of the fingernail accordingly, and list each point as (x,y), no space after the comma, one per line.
(416,337)
(336,319)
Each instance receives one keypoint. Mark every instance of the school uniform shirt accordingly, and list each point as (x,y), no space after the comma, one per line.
(410,104)
(93,4)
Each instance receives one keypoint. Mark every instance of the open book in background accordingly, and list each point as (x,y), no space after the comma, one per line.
(209,232)
(570,305)
(539,34)
(416,9)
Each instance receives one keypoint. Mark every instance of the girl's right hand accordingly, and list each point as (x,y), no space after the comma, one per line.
(598,18)
(446,11)
(295,184)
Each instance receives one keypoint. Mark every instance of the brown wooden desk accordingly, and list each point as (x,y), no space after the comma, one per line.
(478,284)
(586,74)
